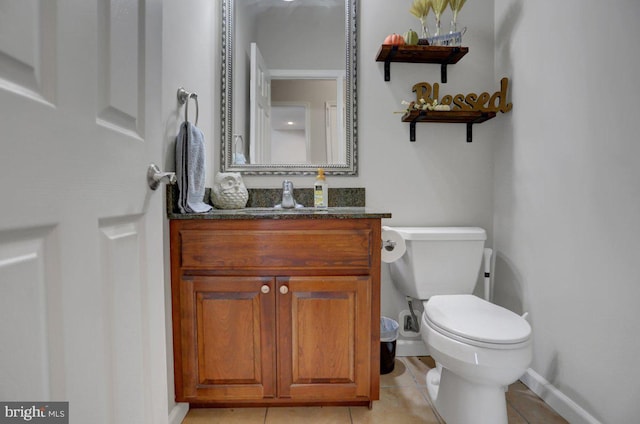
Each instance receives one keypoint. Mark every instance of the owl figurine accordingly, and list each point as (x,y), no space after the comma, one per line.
(228,191)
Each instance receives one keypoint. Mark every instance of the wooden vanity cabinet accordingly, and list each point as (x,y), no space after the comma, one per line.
(276,311)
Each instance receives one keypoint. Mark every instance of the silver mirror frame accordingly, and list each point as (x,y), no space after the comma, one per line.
(226,105)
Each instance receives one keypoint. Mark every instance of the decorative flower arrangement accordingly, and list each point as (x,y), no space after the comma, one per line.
(421,8)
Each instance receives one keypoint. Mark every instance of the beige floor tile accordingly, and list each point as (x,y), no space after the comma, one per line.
(405,405)
(418,366)
(513,417)
(226,416)
(403,399)
(399,377)
(309,415)
(425,393)
(530,406)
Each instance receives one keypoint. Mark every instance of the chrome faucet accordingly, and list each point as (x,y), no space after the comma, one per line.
(288,202)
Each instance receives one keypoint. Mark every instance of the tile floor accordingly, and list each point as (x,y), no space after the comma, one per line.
(403,400)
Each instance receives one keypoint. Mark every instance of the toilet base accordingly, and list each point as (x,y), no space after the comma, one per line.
(459,401)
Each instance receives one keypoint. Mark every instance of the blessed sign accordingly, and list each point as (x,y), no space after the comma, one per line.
(483,102)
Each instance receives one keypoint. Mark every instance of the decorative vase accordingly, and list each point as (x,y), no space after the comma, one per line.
(437,26)
(425,28)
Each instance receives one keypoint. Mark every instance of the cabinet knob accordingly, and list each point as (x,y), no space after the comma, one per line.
(284,289)
(265,289)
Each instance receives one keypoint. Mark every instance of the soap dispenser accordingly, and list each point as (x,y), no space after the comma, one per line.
(320,190)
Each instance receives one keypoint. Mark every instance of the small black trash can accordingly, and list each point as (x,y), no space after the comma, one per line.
(388,336)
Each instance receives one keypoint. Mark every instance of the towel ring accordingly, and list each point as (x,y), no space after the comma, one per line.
(183,99)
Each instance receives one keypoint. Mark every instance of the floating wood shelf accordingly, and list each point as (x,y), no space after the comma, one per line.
(468,117)
(443,55)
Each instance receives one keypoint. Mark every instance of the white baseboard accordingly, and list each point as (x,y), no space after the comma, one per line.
(411,348)
(178,413)
(557,400)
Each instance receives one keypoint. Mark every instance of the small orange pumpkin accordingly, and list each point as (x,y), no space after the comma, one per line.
(394,39)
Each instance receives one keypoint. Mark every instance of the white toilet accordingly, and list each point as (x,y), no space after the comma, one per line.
(479,347)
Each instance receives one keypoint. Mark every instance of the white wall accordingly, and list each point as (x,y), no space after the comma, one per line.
(190,59)
(567,194)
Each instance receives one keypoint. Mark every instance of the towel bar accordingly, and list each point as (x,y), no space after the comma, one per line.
(183,99)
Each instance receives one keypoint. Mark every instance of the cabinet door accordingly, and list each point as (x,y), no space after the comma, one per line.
(227,338)
(324,344)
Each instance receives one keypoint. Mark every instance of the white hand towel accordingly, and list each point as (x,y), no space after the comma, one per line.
(190,169)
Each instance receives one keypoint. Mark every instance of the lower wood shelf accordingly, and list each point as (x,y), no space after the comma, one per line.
(468,117)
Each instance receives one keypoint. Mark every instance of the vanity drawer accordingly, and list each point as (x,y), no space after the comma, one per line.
(223,247)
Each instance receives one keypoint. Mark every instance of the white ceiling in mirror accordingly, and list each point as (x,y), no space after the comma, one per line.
(287,118)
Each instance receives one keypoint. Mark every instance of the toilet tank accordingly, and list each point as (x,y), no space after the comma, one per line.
(438,260)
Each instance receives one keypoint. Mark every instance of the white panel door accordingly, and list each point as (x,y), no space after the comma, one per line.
(260,110)
(81,267)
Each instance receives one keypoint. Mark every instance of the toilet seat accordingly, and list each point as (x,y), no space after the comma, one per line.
(472,320)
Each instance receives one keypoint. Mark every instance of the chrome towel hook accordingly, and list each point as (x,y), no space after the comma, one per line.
(183,99)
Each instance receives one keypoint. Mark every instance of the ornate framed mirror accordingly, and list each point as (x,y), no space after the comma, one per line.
(289,83)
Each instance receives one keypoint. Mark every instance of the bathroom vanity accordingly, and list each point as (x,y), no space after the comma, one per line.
(276,307)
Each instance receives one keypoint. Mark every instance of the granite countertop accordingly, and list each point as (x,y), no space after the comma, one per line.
(344,203)
(271,213)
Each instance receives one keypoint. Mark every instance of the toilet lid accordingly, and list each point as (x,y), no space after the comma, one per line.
(473,318)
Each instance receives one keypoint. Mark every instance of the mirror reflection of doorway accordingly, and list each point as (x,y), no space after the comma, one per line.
(290,135)
(315,92)
(319,137)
